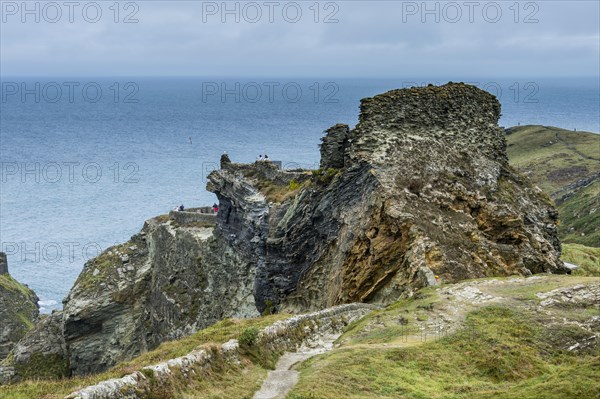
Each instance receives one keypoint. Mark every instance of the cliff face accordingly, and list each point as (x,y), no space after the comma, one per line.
(165,283)
(420,188)
(18,309)
(161,285)
(419,192)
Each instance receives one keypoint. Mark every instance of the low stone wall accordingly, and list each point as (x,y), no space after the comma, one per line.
(282,336)
(192,217)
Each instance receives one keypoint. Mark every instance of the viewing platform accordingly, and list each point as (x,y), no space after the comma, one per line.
(194,217)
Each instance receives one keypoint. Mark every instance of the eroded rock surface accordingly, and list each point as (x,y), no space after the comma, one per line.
(42,353)
(18,309)
(423,189)
(166,283)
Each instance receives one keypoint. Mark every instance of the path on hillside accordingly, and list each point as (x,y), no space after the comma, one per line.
(572,148)
(280,381)
(447,317)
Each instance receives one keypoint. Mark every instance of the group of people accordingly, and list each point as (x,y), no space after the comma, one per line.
(181,208)
(215,207)
(261,158)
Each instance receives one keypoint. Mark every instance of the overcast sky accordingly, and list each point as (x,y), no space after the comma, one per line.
(345,39)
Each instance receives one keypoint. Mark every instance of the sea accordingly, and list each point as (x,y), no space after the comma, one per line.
(85,161)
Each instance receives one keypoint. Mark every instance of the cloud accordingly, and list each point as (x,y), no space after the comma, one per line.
(370,39)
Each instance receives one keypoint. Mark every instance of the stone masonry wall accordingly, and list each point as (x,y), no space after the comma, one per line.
(284,335)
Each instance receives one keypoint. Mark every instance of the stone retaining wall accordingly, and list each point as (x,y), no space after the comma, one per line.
(284,335)
(192,217)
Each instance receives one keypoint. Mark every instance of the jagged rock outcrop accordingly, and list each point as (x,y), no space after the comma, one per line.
(419,192)
(167,282)
(333,146)
(18,309)
(42,353)
(425,191)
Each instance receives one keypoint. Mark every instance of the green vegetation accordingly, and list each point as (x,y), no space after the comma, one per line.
(588,259)
(221,382)
(580,217)
(19,302)
(502,351)
(557,160)
(553,157)
(394,317)
(325,176)
(248,336)
(44,367)
(278,193)
(495,362)
(101,267)
(269,308)
(294,185)
(505,350)
(211,381)
(10,284)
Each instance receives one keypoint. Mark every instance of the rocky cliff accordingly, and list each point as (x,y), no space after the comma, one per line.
(419,192)
(168,281)
(420,188)
(165,283)
(18,309)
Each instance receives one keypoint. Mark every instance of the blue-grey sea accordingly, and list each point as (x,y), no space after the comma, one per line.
(85,161)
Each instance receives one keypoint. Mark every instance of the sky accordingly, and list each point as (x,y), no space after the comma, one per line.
(367,39)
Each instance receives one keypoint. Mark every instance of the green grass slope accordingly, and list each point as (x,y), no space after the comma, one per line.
(219,381)
(492,338)
(508,345)
(566,165)
(587,258)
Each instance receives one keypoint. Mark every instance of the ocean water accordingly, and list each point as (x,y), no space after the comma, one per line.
(85,161)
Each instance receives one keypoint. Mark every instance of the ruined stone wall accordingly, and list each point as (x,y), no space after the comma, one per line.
(3,264)
(333,146)
(460,115)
